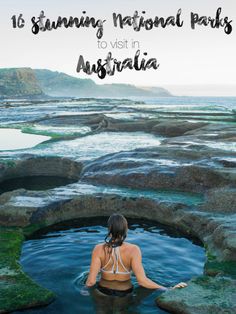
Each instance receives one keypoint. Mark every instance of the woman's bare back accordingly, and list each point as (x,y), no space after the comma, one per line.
(116,280)
(108,261)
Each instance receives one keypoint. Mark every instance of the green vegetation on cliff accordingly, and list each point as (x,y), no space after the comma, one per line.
(18,82)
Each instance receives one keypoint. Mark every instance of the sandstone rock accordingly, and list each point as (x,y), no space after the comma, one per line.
(159,168)
(222,200)
(203,295)
(175,128)
(40,166)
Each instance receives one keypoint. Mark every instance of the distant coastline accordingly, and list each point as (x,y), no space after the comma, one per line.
(27,82)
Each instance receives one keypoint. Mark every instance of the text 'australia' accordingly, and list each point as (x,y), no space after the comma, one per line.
(110,65)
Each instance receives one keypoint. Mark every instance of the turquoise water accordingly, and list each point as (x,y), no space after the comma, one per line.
(92,146)
(160,195)
(60,260)
(96,145)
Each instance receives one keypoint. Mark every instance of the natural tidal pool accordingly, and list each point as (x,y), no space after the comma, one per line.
(97,145)
(12,139)
(58,258)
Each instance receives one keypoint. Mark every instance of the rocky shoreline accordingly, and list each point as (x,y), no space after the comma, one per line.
(195,166)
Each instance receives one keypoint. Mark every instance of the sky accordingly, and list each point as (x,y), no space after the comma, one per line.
(200,61)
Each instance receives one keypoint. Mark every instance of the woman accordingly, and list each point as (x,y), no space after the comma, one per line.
(116,260)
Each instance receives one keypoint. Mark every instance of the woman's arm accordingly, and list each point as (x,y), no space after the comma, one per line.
(94,267)
(137,267)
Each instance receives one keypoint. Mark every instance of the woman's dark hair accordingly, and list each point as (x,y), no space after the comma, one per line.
(117,230)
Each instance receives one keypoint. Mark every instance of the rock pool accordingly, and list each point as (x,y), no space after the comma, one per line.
(171,160)
(59,260)
(97,145)
(12,139)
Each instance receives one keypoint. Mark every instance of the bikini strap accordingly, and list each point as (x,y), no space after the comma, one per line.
(119,255)
(116,258)
(115,261)
(109,261)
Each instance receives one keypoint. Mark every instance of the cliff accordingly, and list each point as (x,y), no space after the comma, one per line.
(26,82)
(18,82)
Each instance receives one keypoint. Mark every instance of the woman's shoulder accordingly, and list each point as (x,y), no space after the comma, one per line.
(130,245)
(98,246)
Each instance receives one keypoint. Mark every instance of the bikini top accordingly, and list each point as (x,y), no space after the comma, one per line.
(116,258)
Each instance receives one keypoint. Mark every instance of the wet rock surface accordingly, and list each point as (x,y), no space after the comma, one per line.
(186,180)
(100,122)
(203,295)
(165,167)
(222,200)
(28,165)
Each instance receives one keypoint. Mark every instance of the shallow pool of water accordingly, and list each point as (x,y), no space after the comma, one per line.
(97,145)
(12,139)
(59,260)
(191,199)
